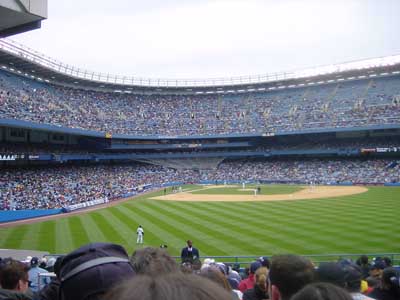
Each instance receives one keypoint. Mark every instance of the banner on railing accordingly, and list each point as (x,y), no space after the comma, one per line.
(86,204)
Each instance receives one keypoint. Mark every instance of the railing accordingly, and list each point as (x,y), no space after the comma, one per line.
(26,53)
(244,260)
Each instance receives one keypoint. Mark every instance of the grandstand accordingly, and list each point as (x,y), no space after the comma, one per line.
(345,118)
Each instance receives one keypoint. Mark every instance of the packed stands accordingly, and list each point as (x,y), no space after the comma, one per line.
(345,104)
(59,186)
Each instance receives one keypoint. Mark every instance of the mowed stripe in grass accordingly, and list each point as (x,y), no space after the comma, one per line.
(15,237)
(47,236)
(355,224)
(78,231)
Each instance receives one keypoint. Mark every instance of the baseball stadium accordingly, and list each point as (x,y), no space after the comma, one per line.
(304,162)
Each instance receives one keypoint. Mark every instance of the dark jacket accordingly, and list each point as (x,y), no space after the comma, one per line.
(50,292)
(14,295)
(187,255)
(381,294)
(255,294)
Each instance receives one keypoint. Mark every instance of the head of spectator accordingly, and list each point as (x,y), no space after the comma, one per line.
(248,283)
(321,291)
(153,261)
(14,277)
(353,277)
(50,264)
(387,261)
(254,267)
(331,272)
(196,265)
(90,271)
(34,262)
(214,274)
(288,274)
(391,281)
(57,265)
(172,286)
(362,260)
(260,289)
(264,260)
(376,269)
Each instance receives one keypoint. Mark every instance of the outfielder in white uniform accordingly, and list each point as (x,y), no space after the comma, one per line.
(140,234)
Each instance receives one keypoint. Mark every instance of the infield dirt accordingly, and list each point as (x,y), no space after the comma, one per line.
(316,192)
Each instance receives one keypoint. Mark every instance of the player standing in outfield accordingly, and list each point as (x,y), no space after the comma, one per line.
(140,234)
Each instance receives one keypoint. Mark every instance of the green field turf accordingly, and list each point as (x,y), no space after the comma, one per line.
(363,223)
(265,190)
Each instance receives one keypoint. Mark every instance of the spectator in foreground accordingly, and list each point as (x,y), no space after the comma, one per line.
(249,282)
(153,261)
(37,283)
(260,289)
(51,291)
(14,281)
(321,291)
(288,274)
(389,288)
(173,286)
(90,271)
(353,278)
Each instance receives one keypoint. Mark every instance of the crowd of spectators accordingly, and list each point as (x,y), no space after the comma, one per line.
(60,186)
(105,271)
(348,104)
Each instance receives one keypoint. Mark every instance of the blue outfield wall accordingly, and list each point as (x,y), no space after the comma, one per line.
(15,215)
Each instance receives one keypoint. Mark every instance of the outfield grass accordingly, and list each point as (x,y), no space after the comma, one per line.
(249,190)
(363,223)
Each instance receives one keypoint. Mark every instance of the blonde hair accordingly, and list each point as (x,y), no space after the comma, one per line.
(261,277)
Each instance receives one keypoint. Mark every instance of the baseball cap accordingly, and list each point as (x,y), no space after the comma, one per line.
(34,261)
(331,272)
(94,268)
(254,266)
(264,260)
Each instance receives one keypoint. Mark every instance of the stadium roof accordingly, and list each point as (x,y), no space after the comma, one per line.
(19,59)
(17,16)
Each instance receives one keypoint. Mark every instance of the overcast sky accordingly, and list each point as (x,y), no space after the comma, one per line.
(214,38)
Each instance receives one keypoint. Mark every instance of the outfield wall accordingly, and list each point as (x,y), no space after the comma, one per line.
(15,215)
